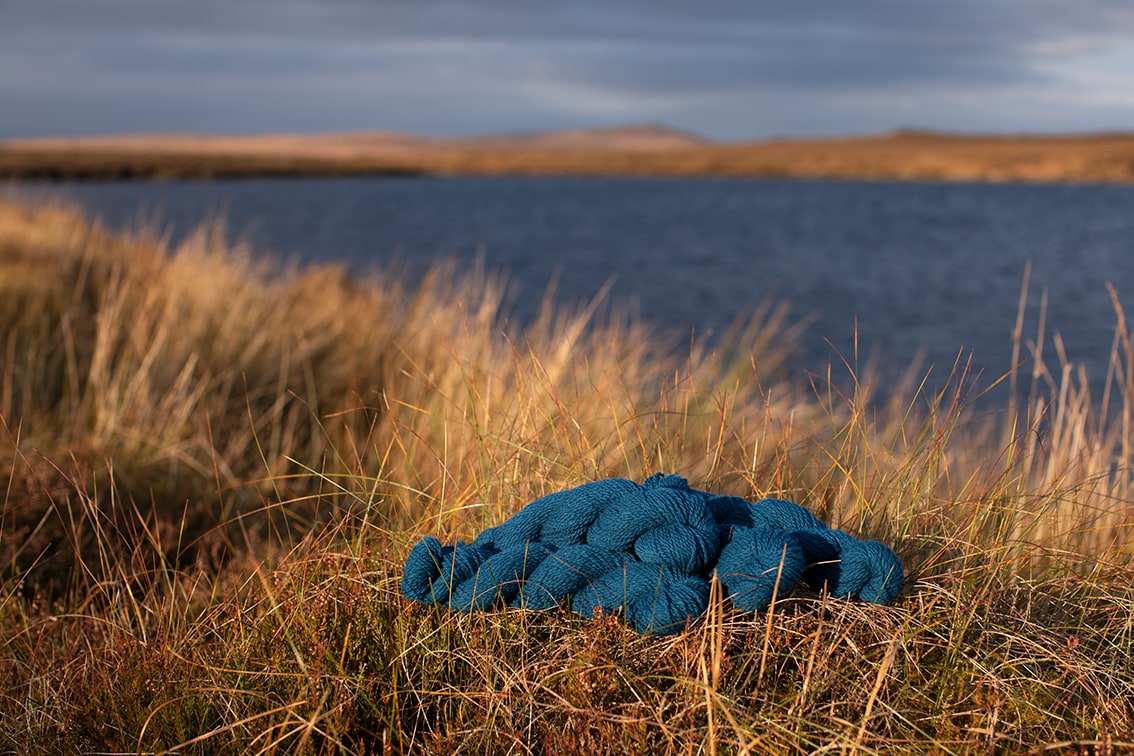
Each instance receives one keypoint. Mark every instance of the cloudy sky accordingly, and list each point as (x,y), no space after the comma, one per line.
(727,69)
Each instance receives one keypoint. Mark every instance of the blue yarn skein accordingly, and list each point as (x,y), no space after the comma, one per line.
(647,552)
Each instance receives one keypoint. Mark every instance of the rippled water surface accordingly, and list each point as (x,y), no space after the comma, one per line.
(927,269)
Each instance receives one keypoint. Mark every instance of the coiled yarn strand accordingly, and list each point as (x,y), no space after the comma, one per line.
(647,552)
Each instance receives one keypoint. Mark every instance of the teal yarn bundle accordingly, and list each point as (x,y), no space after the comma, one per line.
(647,552)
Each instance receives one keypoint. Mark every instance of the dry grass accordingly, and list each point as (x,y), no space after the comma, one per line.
(213,469)
(628,152)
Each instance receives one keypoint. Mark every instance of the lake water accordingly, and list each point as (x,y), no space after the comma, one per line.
(924,269)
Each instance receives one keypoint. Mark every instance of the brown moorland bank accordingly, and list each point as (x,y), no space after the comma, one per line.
(631,151)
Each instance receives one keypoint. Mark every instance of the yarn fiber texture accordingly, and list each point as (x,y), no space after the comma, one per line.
(647,552)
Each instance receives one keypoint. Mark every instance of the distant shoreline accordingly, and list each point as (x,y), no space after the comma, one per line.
(636,151)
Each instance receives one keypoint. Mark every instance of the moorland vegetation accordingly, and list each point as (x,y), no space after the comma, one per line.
(211,471)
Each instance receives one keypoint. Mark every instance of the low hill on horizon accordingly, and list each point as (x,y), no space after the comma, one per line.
(636,150)
(638,136)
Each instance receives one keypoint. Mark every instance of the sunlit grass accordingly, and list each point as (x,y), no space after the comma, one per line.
(213,470)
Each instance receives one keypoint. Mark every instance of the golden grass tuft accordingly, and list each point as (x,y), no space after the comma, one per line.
(213,469)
